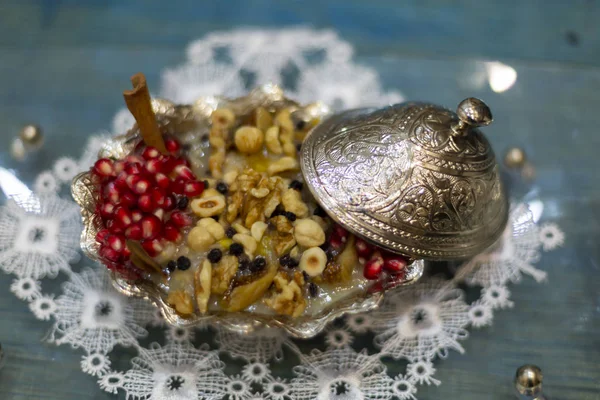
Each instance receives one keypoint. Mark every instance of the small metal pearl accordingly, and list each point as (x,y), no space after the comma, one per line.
(32,136)
(515,158)
(528,382)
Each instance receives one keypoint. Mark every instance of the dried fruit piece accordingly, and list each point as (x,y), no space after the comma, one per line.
(313,261)
(347,259)
(202,284)
(258,230)
(245,295)
(222,274)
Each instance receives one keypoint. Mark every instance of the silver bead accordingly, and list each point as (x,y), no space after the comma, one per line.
(471,112)
(515,157)
(528,382)
(31,136)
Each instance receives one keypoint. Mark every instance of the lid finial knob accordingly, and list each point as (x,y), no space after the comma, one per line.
(471,113)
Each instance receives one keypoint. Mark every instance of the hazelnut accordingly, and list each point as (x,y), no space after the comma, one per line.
(249,139)
(308,233)
(222,118)
(209,206)
(313,261)
(215,229)
(199,239)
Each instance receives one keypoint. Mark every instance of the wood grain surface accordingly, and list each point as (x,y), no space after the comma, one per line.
(64,64)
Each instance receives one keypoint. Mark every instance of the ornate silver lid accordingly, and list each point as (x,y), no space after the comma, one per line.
(413,178)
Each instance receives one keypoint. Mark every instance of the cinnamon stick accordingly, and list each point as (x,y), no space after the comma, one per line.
(138,103)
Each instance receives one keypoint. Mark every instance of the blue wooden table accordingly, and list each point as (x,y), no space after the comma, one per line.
(63,65)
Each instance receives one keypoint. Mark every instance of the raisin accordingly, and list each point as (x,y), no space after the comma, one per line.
(222,188)
(229,232)
(236,249)
(258,264)
(290,215)
(296,185)
(182,203)
(183,263)
(313,289)
(171,265)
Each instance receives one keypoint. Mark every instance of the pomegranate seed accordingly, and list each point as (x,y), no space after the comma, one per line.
(121,181)
(126,253)
(341,232)
(134,159)
(172,145)
(132,180)
(104,167)
(150,152)
(394,264)
(136,215)
(116,242)
(177,186)
(153,247)
(184,172)
(154,166)
(119,166)
(123,217)
(113,226)
(128,199)
(102,235)
(151,226)
(145,203)
(169,163)
(134,168)
(134,231)
(162,181)
(336,242)
(363,249)
(170,202)
(159,213)
(142,186)
(172,233)
(107,210)
(109,254)
(111,193)
(373,266)
(159,197)
(193,189)
(181,219)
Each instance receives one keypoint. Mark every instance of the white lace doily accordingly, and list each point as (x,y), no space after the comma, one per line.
(39,237)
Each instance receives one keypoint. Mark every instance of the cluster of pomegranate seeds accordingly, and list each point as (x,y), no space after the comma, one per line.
(138,201)
(377,260)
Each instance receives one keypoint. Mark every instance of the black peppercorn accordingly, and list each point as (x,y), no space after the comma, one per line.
(222,188)
(236,249)
(258,264)
(183,263)
(183,202)
(290,215)
(296,185)
(214,256)
(313,289)
(229,232)
(171,265)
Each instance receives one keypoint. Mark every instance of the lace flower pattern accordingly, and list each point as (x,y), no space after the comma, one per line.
(340,372)
(91,315)
(422,321)
(39,237)
(175,371)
